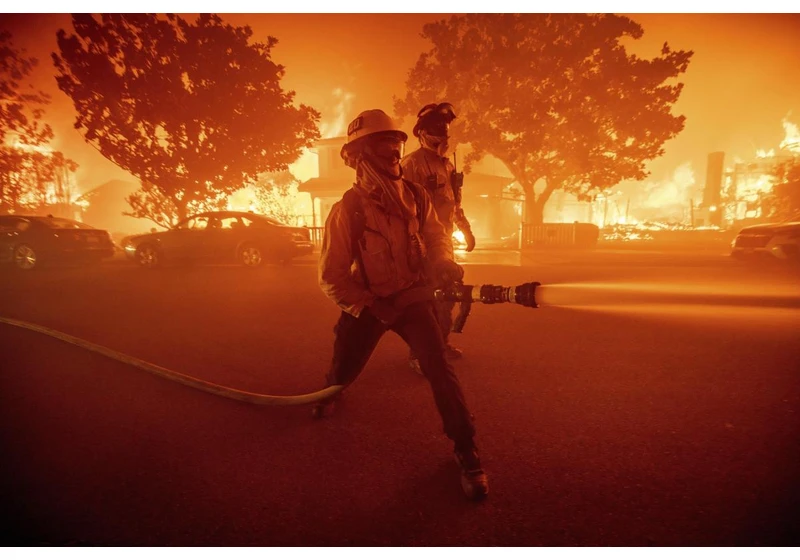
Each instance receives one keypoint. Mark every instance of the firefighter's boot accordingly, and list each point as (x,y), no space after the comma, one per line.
(474,481)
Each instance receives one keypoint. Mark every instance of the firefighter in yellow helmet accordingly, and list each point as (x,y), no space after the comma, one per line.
(430,167)
(380,241)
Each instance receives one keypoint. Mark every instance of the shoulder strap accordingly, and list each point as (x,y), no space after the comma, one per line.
(358,224)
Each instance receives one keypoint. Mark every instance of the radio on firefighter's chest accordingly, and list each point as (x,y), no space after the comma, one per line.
(433,183)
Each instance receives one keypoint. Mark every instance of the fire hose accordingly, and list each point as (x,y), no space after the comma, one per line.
(524,294)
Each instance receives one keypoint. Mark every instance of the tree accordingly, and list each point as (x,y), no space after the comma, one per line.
(36,178)
(275,195)
(21,126)
(194,110)
(14,163)
(555,97)
(50,183)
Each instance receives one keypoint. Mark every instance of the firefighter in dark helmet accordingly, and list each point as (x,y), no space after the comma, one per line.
(431,167)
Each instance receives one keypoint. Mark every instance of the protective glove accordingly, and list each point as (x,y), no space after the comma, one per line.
(446,272)
(384,311)
(469,238)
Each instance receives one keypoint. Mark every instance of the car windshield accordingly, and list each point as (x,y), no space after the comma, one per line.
(62,223)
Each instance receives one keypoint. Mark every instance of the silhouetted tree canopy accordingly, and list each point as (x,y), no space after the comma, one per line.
(24,165)
(275,196)
(555,97)
(21,107)
(192,109)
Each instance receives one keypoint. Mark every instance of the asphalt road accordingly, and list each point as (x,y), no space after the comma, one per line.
(653,401)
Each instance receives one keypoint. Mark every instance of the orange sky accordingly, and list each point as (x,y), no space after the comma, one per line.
(743,79)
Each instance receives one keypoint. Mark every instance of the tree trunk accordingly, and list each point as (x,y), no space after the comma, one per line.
(181,210)
(534,205)
(534,210)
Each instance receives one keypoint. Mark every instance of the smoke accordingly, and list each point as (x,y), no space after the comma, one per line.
(338,125)
(673,191)
(306,167)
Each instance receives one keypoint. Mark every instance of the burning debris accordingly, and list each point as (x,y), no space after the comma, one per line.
(748,186)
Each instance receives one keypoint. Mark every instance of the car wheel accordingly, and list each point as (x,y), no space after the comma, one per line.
(25,257)
(251,256)
(148,256)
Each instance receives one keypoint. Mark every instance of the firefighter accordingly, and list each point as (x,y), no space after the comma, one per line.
(430,167)
(380,241)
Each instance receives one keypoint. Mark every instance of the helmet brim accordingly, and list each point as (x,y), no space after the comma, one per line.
(399,134)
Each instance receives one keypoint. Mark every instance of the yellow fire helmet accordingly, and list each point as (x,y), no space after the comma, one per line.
(367,123)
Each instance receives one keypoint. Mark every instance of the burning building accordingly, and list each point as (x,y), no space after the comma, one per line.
(740,194)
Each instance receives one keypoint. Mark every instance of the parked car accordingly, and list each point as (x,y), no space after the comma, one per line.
(27,242)
(244,237)
(777,241)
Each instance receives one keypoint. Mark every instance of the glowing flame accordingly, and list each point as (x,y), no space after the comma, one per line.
(62,190)
(751,188)
(243,200)
(458,239)
(629,221)
(675,190)
(306,166)
(791,140)
(30,147)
